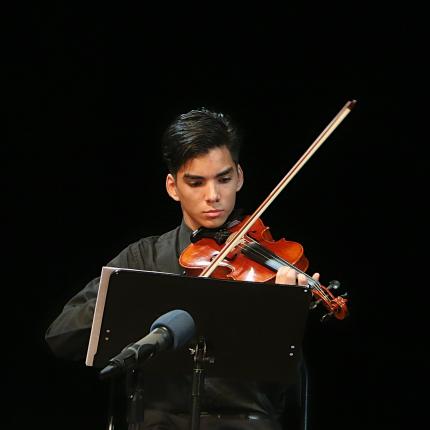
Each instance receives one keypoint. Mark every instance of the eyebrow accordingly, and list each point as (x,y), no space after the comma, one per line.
(222,173)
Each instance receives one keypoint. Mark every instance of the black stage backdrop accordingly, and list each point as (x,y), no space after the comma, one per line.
(91,91)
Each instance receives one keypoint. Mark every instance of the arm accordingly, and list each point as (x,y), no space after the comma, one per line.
(69,333)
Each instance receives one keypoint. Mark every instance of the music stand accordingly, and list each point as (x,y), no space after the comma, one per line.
(254,331)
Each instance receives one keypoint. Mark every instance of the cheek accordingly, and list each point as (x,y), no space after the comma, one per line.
(190,198)
(232,195)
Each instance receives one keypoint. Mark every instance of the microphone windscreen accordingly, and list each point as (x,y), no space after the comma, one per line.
(180,324)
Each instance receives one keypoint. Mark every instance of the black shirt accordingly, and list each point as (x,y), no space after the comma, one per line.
(68,337)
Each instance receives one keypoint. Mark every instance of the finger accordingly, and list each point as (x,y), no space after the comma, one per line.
(302,279)
(316,276)
(286,275)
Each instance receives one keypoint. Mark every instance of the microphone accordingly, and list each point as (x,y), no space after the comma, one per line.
(170,331)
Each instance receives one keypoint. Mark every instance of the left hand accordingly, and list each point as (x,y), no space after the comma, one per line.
(288,276)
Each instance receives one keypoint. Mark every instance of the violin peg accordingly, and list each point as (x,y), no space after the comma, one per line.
(314,304)
(326,317)
(333,285)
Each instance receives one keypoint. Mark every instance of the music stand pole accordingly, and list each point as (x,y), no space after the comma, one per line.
(200,359)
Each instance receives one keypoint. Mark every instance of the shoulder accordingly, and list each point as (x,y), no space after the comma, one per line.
(144,254)
(154,242)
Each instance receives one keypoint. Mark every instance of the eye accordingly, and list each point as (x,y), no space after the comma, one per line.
(225,179)
(195,183)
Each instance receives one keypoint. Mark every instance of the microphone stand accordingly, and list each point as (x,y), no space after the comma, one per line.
(128,409)
(200,359)
(111,398)
(135,393)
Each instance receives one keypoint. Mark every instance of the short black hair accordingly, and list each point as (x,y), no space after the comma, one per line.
(195,133)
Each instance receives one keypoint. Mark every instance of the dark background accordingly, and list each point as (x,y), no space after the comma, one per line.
(89,93)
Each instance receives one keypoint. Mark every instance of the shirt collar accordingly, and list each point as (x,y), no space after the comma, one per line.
(184,236)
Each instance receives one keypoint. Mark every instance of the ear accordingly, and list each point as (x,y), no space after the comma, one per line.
(240,177)
(171,187)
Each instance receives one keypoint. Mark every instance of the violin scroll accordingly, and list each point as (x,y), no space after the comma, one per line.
(335,305)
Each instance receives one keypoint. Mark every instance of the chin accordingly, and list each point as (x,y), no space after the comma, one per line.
(213,223)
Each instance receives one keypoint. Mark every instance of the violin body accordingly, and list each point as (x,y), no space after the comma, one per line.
(256,258)
(238,265)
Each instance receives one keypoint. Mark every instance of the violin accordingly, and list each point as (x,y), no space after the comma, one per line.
(244,250)
(256,259)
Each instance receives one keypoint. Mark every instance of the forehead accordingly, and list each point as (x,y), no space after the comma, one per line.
(215,161)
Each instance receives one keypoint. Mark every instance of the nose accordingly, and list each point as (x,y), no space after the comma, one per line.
(212,192)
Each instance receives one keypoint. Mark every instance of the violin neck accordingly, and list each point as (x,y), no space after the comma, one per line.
(256,252)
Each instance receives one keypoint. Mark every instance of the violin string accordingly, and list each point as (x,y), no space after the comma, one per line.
(266,253)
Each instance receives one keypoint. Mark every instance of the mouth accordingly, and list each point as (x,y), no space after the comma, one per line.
(213,213)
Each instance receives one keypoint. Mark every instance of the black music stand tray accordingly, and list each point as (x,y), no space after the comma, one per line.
(252,330)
